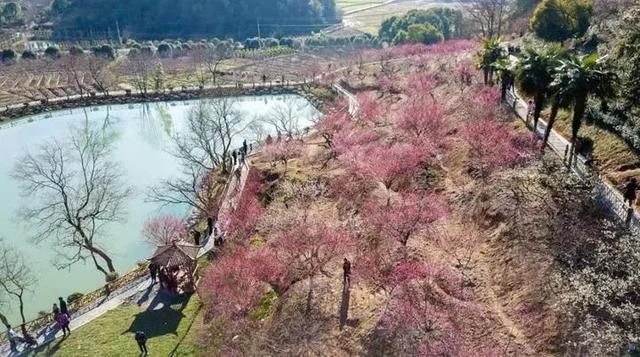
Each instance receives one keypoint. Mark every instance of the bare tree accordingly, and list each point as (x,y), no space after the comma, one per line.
(102,75)
(143,66)
(212,57)
(489,16)
(211,127)
(73,66)
(284,117)
(16,277)
(74,190)
(193,188)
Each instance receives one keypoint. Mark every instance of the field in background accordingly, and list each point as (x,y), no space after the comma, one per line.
(354,5)
(369,20)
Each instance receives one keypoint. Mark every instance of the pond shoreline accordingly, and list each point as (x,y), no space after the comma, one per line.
(15,113)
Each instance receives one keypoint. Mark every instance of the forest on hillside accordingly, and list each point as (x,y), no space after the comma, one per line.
(154,19)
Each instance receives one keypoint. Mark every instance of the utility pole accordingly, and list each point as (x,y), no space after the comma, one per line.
(258,22)
(118,33)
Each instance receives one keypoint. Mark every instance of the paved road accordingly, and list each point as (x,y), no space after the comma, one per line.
(609,196)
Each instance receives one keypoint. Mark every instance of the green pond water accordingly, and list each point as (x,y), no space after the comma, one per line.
(142,147)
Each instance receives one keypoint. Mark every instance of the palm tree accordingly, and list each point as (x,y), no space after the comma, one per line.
(579,77)
(490,53)
(505,68)
(558,100)
(534,75)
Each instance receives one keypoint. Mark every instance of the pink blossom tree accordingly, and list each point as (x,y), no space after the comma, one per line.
(305,250)
(241,222)
(230,287)
(494,145)
(283,151)
(164,230)
(389,165)
(405,216)
(425,121)
(426,313)
(371,110)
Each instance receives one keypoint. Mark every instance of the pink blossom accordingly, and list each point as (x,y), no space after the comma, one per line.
(164,230)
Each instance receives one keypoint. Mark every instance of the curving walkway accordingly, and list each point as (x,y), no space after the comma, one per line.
(608,195)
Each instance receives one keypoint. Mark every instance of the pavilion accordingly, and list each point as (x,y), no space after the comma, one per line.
(176,265)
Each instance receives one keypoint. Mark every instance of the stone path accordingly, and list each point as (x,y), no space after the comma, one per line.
(609,196)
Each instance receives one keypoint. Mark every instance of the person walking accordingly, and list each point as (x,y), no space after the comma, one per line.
(63,306)
(346,272)
(250,148)
(141,339)
(530,109)
(153,272)
(245,147)
(55,310)
(630,190)
(13,339)
(63,322)
(234,155)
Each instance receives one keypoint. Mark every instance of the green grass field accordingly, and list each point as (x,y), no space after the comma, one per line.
(170,331)
(351,5)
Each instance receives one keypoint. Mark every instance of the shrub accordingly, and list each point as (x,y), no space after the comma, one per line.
(74,297)
(76,50)
(8,55)
(28,55)
(105,51)
(52,52)
(165,50)
(558,20)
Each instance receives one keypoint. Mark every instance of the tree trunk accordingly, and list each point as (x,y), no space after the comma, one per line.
(486,76)
(578,112)
(107,260)
(309,295)
(552,119)
(4,320)
(539,104)
(24,321)
(503,89)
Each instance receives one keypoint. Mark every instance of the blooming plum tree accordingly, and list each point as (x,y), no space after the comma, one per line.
(403,217)
(495,145)
(425,122)
(164,230)
(283,151)
(242,220)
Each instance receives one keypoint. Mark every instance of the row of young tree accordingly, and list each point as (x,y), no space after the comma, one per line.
(551,76)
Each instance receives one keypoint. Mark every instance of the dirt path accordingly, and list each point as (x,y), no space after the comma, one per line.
(488,293)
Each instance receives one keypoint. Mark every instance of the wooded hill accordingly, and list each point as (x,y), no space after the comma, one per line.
(155,19)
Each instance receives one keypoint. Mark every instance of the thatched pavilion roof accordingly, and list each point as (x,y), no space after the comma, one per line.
(177,253)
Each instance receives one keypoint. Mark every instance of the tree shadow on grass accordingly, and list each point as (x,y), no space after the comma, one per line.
(162,317)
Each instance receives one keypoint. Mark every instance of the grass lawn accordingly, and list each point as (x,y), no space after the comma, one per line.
(170,331)
(610,151)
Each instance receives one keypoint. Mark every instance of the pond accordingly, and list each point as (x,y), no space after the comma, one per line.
(142,147)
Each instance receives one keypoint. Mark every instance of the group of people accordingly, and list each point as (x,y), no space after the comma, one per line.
(240,155)
(61,316)
(167,277)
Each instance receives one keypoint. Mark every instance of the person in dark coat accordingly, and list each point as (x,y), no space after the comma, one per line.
(141,339)
(346,271)
(153,272)
(630,190)
(63,306)
(245,147)
(234,155)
